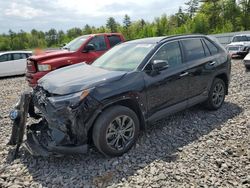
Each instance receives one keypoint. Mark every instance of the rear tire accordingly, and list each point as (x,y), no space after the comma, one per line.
(115,131)
(216,94)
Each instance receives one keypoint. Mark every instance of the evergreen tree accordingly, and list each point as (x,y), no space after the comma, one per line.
(201,16)
(126,21)
(111,25)
(192,7)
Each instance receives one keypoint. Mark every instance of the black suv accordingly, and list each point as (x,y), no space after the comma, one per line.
(109,102)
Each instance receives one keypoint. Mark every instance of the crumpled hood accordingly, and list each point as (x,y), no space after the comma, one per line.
(76,78)
(51,54)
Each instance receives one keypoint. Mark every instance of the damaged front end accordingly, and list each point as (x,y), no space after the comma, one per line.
(60,123)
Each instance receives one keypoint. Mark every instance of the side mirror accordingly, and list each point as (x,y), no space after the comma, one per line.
(89,47)
(158,65)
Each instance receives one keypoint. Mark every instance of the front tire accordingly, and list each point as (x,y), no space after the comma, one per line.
(115,131)
(216,95)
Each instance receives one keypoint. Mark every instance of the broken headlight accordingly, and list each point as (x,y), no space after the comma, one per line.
(71,100)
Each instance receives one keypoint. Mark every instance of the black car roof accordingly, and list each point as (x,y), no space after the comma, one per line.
(151,40)
(154,40)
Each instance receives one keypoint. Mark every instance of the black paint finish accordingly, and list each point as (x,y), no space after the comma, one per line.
(151,94)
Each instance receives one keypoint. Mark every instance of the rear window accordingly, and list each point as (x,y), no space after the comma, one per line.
(114,40)
(193,49)
(212,48)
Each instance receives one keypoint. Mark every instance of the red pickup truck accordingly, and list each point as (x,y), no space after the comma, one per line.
(86,48)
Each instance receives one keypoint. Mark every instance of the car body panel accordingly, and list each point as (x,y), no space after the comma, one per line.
(239,48)
(6,68)
(165,89)
(63,58)
(76,78)
(14,67)
(152,94)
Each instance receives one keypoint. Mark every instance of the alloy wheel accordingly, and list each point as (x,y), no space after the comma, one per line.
(120,132)
(218,94)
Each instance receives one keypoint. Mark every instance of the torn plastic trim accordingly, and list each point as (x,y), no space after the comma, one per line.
(19,124)
(68,126)
(73,122)
(34,147)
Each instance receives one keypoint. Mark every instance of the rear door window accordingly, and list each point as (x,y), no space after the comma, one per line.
(114,40)
(212,48)
(5,57)
(193,49)
(19,56)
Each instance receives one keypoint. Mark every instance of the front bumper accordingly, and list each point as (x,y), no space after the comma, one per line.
(35,148)
(238,53)
(56,132)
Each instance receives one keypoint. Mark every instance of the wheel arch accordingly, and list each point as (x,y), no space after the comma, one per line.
(223,76)
(127,102)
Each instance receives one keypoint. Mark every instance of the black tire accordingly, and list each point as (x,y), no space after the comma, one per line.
(103,126)
(212,102)
(247,67)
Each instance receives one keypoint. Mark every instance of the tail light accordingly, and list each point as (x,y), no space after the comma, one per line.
(31,67)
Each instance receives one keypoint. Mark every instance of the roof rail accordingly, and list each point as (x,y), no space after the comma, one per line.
(180,35)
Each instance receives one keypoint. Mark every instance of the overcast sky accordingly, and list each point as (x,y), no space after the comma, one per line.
(65,14)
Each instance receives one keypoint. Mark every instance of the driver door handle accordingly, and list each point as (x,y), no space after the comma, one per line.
(184,74)
(212,63)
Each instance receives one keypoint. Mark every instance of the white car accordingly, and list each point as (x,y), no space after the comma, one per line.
(13,62)
(247,61)
(239,46)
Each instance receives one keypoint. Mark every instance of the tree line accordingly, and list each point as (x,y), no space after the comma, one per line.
(198,16)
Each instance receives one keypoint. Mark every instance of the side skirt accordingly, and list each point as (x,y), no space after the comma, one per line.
(176,108)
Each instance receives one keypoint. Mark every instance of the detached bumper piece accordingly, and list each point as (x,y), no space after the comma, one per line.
(19,117)
(33,146)
(39,137)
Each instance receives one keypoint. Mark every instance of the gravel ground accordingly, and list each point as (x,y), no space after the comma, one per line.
(193,148)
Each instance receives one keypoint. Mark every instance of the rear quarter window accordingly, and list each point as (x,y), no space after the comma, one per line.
(212,48)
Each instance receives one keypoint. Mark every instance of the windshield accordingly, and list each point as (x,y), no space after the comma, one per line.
(75,44)
(241,38)
(124,57)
